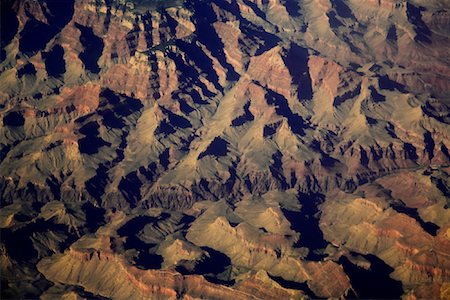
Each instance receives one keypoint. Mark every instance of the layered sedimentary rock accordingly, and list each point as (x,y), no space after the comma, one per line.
(345,110)
(399,234)
(295,145)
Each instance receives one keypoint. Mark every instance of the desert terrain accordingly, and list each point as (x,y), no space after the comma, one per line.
(225,149)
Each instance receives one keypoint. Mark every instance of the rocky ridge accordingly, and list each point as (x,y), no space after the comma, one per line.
(235,118)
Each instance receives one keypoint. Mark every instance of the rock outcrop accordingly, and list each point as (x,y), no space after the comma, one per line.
(290,144)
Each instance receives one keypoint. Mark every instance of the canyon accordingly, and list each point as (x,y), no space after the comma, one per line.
(248,149)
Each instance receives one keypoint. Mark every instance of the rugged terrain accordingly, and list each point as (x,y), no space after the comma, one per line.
(225,149)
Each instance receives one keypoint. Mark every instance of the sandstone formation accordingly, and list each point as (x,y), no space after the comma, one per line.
(224,149)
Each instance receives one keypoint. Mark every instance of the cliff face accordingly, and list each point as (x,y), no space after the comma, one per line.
(282,86)
(110,105)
